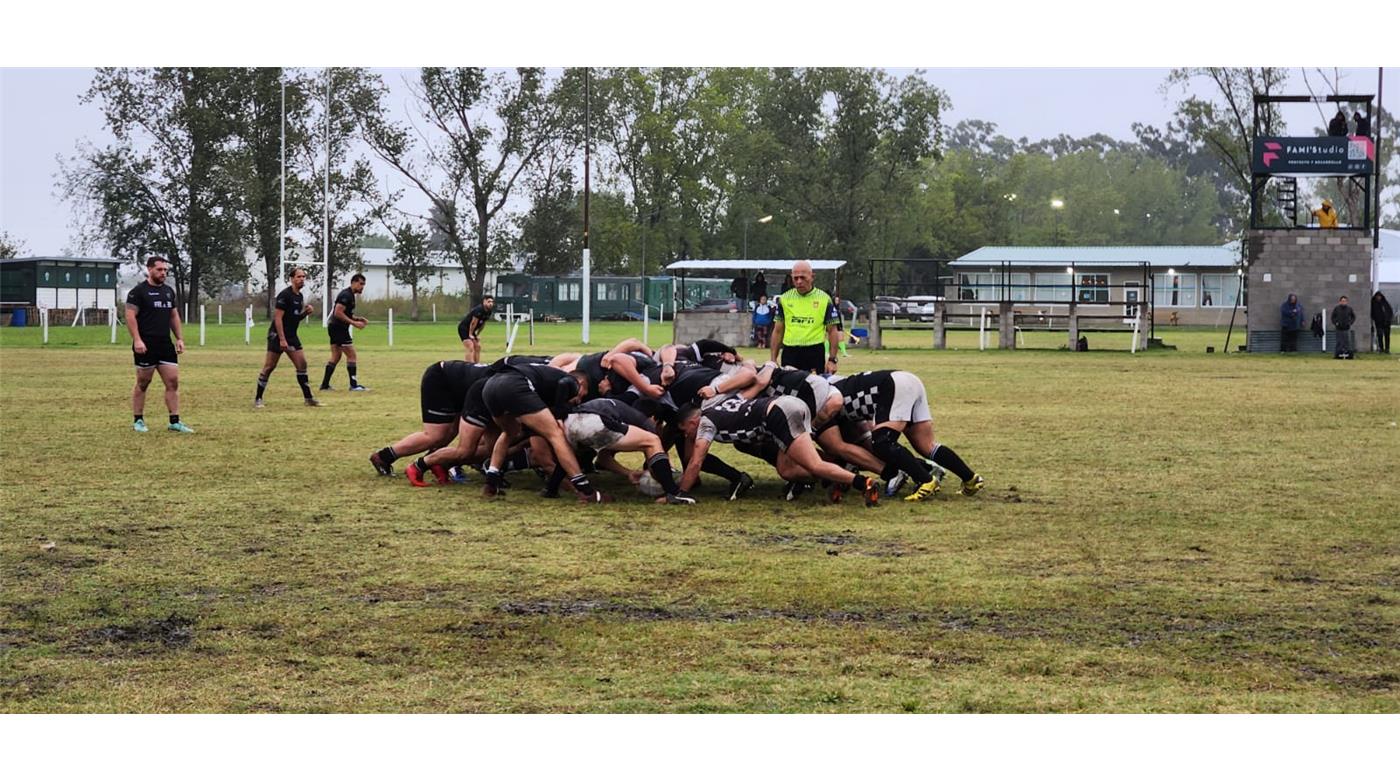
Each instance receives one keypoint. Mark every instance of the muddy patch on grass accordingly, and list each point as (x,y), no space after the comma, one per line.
(172,632)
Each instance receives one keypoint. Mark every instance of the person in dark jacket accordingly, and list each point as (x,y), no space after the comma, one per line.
(759,288)
(1363,125)
(1338,125)
(1342,319)
(1382,314)
(1290,316)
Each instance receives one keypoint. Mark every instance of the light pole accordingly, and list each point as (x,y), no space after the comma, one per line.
(762,221)
(1058,206)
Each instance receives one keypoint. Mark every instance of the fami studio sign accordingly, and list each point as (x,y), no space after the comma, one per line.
(1354,154)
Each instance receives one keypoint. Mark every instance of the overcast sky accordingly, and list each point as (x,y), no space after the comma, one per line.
(41,119)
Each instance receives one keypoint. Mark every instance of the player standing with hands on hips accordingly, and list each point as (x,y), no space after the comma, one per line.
(805,318)
(282,337)
(151,314)
(469,329)
(338,329)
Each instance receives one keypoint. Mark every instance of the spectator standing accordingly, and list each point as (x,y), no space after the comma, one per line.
(1290,316)
(1326,216)
(1342,319)
(759,287)
(739,288)
(1363,125)
(762,321)
(1382,314)
(1338,125)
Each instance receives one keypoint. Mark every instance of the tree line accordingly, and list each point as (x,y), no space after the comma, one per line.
(850,163)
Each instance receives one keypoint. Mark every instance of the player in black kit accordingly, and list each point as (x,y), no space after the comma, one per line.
(342,320)
(783,419)
(151,314)
(608,426)
(441,396)
(469,329)
(282,337)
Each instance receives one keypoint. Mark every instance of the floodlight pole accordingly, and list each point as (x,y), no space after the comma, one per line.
(282,201)
(587,143)
(326,224)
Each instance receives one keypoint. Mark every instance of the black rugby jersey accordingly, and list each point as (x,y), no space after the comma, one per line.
(153,307)
(345,298)
(735,420)
(292,304)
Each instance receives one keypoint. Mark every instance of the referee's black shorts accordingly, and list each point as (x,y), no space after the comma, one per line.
(809,358)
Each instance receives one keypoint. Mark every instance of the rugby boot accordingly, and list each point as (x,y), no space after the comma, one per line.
(179,427)
(924,492)
(384,469)
(971,486)
(139,426)
(871,492)
(740,486)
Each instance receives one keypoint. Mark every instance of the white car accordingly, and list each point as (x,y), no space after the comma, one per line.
(921,306)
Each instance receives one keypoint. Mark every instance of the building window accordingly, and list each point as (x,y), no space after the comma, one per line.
(569,291)
(1093,288)
(1174,291)
(505,289)
(978,287)
(1052,287)
(1220,290)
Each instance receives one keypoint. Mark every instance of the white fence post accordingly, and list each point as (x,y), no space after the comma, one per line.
(646,324)
(201,324)
(391,327)
(113,319)
(1324,329)
(1137,324)
(510,317)
(44,320)
(248,325)
(662,313)
(982,330)
(532,327)
(435,312)
(221,314)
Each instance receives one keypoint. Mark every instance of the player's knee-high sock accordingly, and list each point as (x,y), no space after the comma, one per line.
(305,382)
(388,455)
(660,468)
(944,456)
(713,465)
(556,478)
(330,369)
(354,380)
(885,445)
(262,384)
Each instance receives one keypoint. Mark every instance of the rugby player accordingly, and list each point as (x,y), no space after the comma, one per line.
(469,329)
(895,402)
(151,314)
(342,320)
(783,419)
(442,394)
(282,337)
(609,426)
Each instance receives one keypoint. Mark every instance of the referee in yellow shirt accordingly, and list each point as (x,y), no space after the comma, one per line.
(805,324)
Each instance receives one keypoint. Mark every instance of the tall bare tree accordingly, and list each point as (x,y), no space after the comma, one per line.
(481,131)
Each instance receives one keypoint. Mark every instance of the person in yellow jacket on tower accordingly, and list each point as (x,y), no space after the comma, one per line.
(805,318)
(1326,216)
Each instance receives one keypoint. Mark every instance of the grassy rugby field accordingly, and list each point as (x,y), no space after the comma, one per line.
(1164,532)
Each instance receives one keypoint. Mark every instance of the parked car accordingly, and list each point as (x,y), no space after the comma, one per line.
(921,307)
(849,309)
(889,306)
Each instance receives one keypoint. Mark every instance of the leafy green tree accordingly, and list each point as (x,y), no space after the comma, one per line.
(483,131)
(410,264)
(168,185)
(1222,123)
(356,201)
(9,245)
